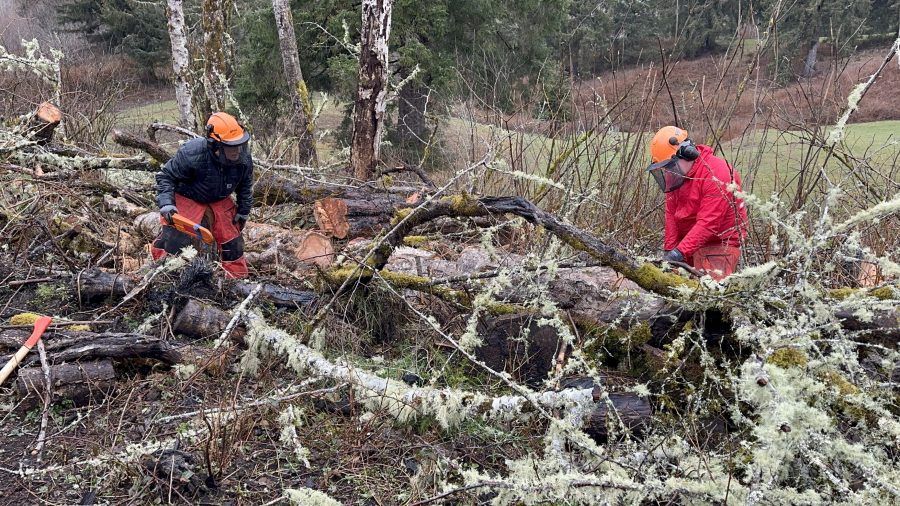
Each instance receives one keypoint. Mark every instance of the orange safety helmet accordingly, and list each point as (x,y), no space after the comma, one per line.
(666,143)
(224,128)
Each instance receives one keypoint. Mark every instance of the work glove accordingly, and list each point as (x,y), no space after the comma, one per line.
(167,212)
(240,220)
(673,255)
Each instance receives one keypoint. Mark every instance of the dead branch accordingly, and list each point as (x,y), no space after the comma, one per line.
(151,148)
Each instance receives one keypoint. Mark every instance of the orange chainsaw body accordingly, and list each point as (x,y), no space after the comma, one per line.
(191,228)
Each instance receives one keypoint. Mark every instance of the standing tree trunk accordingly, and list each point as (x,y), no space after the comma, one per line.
(411,126)
(287,41)
(215,67)
(809,63)
(368,111)
(180,62)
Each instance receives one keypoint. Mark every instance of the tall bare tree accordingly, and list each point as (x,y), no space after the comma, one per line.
(180,61)
(215,61)
(287,41)
(368,111)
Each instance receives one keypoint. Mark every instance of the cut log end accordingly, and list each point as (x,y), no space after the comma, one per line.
(331,217)
(44,121)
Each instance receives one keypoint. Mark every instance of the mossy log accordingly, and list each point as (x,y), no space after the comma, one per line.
(82,383)
(645,275)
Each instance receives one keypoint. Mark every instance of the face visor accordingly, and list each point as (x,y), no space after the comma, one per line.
(232,153)
(667,174)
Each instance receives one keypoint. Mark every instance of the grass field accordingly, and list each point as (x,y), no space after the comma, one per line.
(769,160)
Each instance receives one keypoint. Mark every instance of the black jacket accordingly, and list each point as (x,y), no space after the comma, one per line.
(195,173)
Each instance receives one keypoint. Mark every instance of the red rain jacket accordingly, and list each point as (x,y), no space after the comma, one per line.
(703,212)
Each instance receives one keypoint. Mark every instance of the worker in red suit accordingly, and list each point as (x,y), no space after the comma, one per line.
(197,184)
(705,221)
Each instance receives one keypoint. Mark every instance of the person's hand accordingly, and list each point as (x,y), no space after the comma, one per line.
(673,255)
(167,212)
(240,220)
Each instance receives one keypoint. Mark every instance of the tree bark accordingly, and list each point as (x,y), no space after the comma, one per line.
(287,40)
(352,218)
(215,63)
(180,62)
(368,111)
(81,383)
(68,346)
(809,63)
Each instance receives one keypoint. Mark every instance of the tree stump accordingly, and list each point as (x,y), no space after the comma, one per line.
(44,122)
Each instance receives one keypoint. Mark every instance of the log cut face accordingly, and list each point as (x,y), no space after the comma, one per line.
(44,122)
(349,218)
(299,250)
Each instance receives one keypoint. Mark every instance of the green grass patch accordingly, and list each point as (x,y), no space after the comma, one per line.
(165,112)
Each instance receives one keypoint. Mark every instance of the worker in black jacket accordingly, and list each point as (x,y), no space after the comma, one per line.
(197,184)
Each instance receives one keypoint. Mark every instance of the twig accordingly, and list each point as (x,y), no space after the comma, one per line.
(254,404)
(45,413)
(62,324)
(29,281)
(410,168)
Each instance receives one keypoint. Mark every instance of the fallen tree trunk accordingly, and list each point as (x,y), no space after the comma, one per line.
(352,218)
(450,406)
(68,346)
(645,275)
(201,320)
(271,189)
(82,382)
(94,285)
(280,296)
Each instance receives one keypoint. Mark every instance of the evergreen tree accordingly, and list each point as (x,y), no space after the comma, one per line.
(137,29)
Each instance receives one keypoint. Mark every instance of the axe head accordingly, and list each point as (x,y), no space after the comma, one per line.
(40,326)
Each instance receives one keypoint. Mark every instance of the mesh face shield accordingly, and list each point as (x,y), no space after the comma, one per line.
(229,155)
(667,174)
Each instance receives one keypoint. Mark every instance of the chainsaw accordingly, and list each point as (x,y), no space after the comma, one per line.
(191,228)
(203,236)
